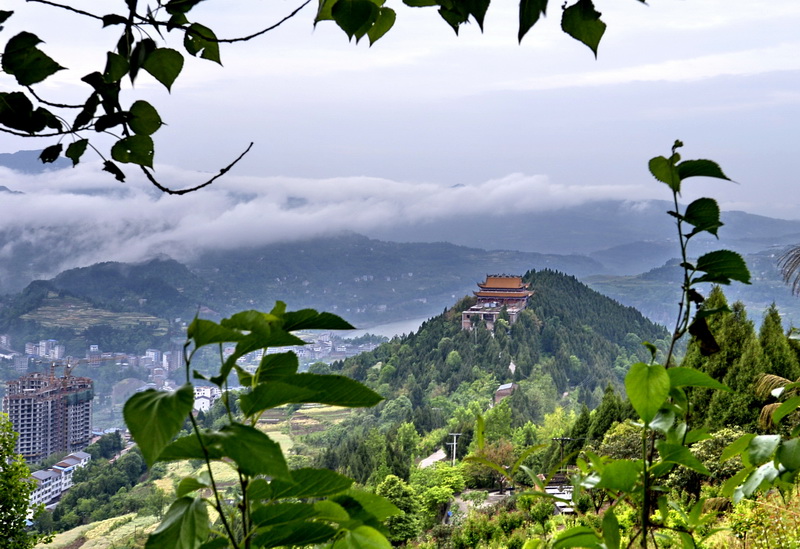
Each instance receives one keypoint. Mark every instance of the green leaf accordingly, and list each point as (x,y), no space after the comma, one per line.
(702,333)
(676,453)
(165,65)
(696,435)
(730,485)
(785,409)
(665,171)
(384,22)
(4,15)
(324,11)
(378,507)
(136,149)
(185,526)
(703,215)
(647,387)
(274,394)
(281,513)
(311,388)
(87,113)
(252,321)
(144,119)
(253,451)
(23,60)
(480,428)
(611,529)
(477,9)
(354,16)
(620,475)
(491,465)
(189,485)
(51,153)
(761,477)
(309,483)
(174,7)
(330,511)
(309,319)
(113,19)
(721,267)
(664,420)
(529,13)
(704,168)
(736,447)
(578,536)
(362,537)
(75,150)
(154,417)
(16,112)
(108,121)
(216,543)
(205,332)
(681,376)
(789,454)
(188,447)
(276,365)
(762,448)
(116,67)
(141,52)
(202,40)
(113,169)
(582,22)
(295,535)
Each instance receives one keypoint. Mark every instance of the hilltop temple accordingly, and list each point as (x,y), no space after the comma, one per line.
(498,292)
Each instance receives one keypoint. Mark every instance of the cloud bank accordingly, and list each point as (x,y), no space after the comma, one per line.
(83,216)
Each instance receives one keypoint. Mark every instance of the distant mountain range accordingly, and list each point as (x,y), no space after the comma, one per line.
(622,249)
(28,162)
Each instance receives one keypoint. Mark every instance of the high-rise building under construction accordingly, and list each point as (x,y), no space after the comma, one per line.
(51,414)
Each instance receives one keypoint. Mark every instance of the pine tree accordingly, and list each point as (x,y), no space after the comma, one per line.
(778,355)
(606,414)
(740,406)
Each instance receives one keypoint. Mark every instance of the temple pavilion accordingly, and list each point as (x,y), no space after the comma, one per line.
(497,292)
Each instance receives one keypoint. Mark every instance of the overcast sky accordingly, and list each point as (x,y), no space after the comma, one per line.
(425,124)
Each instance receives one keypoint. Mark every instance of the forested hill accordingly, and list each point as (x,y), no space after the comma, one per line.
(569,339)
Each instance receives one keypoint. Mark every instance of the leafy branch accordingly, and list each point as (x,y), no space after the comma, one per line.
(272,506)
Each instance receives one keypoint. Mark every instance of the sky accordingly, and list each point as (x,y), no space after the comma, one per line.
(424,124)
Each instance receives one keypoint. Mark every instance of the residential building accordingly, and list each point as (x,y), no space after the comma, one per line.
(51,414)
(51,483)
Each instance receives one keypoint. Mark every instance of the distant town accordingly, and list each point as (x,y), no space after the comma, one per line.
(52,409)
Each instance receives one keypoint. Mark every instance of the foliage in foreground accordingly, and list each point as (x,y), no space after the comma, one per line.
(15,492)
(270,505)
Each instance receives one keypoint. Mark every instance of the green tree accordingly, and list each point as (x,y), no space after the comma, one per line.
(16,486)
(779,358)
(609,412)
(406,525)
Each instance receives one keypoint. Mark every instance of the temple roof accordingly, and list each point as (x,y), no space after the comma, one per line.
(503,281)
(520,294)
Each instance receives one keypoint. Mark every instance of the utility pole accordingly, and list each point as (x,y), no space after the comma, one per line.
(453,444)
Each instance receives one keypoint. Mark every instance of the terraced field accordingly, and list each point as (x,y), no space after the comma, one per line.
(78,315)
